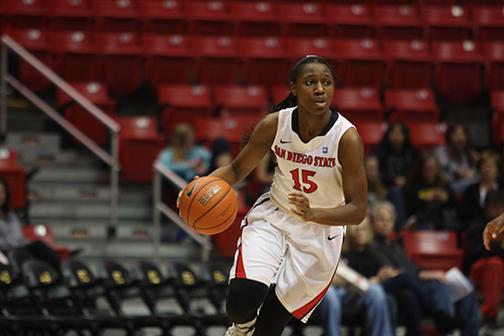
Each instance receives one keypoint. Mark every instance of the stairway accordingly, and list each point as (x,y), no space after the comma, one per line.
(71,193)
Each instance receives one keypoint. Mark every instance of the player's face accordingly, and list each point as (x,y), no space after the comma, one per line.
(382,222)
(314,88)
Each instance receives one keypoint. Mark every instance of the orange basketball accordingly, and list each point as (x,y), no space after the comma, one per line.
(208,205)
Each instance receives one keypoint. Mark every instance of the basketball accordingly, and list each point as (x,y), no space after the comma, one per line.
(208,205)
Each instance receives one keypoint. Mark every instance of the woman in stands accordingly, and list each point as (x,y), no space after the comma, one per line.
(293,234)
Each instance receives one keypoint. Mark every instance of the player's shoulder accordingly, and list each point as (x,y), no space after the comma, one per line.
(269,121)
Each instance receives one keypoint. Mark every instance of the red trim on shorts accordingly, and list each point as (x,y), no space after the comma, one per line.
(301,312)
(240,269)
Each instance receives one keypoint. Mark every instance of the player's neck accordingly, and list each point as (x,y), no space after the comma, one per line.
(311,126)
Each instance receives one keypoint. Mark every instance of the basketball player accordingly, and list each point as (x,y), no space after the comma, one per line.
(293,234)
(494,231)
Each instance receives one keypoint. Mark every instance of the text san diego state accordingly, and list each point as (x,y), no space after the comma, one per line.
(316,161)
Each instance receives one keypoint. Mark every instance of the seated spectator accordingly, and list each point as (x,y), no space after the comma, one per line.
(182,156)
(430,202)
(377,191)
(457,158)
(340,302)
(221,154)
(486,267)
(463,313)
(11,235)
(264,172)
(396,155)
(406,290)
(474,196)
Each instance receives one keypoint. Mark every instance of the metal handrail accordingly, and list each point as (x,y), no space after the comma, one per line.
(7,43)
(160,172)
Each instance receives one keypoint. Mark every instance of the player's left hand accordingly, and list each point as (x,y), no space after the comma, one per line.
(301,206)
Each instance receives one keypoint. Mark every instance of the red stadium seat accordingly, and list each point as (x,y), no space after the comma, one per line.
(371,133)
(209,17)
(494,57)
(116,8)
(239,100)
(398,22)
(184,103)
(426,135)
(169,59)
(412,105)
(36,41)
(303,19)
(15,175)
(69,8)
(447,22)
(162,17)
(139,146)
(300,47)
(433,250)
(23,7)
(266,60)
(122,61)
(82,119)
(458,73)
(279,93)
(214,55)
(497,102)
(362,62)
(349,14)
(44,233)
(408,63)
(75,56)
(358,104)
(488,16)
(255,18)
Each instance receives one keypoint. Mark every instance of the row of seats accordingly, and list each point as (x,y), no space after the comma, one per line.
(35,296)
(122,61)
(304,18)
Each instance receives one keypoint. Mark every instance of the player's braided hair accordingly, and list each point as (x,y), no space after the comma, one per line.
(291,100)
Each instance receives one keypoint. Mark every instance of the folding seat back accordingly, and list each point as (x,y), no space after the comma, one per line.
(494,56)
(218,285)
(497,102)
(447,22)
(279,93)
(266,60)
(78,275)
(396,16)
(23,7)
(487,15)
(435,250)
(426,135)
(184,103)
(15,298)
(408,63)
(161,16)
(69,8)
(458,73)
(120,285)
(189,286)
(412,105)
(349,14)
(216,54)
(371,133)
(209,17)
(303,19)
(239,100)
(115,8)
(255,18)
(155,285)
(358,104)
(300,47)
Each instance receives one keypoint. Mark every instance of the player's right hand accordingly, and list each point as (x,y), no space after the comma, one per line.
(494,231)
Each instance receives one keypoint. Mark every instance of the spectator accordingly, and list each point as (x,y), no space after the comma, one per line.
(474,196)
(406,290)
(221,154)
(430,202)
(433,282)
(183,157)
(342,303)
(11,235)
(264,172)
(396,155)
(486,267)
(457,159)
(377,191)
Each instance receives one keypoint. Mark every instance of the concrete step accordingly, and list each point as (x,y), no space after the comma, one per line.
(69,158)
(70,175)
(51,210)
(69,193)
(30,145)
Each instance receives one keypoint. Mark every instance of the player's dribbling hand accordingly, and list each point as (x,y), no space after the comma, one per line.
(493,231)
(301,206)
(180,194)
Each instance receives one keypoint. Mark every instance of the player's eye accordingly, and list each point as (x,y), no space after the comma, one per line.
(310,82)
(328,82)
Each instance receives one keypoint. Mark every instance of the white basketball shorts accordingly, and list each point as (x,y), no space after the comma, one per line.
(300,257)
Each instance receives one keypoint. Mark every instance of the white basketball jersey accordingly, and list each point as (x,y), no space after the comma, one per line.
(311,168)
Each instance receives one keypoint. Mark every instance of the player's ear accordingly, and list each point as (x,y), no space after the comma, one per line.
(292,89)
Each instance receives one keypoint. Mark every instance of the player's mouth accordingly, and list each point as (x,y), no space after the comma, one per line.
(321,102)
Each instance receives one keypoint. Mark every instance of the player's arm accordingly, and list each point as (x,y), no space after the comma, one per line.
(493,231)
(351,156)
(260,141)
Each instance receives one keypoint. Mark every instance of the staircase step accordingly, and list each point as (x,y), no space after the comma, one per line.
(31,145)
(52,210)
(69,193)
(70,158)
(70,175)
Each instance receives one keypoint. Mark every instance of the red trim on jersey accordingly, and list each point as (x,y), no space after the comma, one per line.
(240,268)
(301,312)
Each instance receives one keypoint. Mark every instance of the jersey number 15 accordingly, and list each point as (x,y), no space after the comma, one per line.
(308,186)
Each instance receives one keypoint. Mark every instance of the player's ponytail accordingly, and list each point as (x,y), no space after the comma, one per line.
(291,100)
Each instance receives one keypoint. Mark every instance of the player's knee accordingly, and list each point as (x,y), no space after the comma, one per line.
(244,299)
